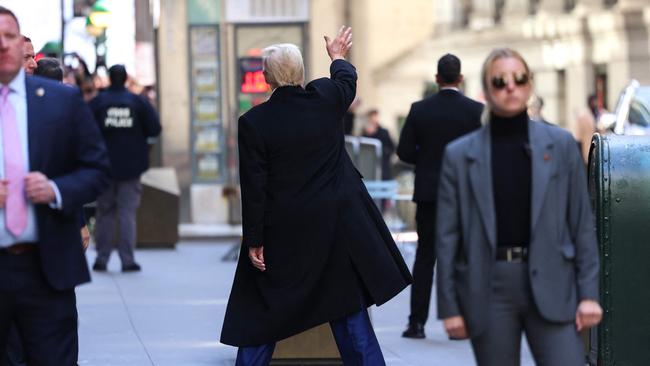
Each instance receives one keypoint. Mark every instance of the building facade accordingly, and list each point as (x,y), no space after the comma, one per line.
(574,47)
(210,72)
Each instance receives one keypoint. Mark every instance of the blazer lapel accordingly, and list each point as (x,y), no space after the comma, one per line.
(541,164)
(480,176)
(35,96)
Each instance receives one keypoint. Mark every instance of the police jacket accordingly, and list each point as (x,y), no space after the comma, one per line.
(126,121)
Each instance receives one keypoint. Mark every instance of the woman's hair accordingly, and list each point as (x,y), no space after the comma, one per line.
(283,65)
(496,54)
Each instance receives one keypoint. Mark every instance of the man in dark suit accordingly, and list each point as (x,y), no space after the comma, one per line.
(430,125)
(53,161)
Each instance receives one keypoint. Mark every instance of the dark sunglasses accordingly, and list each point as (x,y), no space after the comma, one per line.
(500,82)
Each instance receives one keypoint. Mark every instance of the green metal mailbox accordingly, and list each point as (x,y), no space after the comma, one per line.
(619,184)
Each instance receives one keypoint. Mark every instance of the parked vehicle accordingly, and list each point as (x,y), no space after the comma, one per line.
(632,113)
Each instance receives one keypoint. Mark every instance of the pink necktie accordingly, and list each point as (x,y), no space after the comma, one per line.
(16,205)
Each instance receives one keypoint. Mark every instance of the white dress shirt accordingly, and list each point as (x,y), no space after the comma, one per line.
(18,99)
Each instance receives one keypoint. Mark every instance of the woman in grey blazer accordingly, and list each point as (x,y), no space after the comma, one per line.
(516,244)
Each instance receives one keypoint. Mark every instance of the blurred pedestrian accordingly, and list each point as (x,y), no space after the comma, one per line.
(87,85)
(587,125)
(430,125)
(315,248)
(29,61)
(149,94)
(50,68)
(373,129)
(535,106)
(48,174)
(516,242)
(126,122)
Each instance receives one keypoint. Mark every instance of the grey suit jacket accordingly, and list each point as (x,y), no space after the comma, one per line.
(563,253)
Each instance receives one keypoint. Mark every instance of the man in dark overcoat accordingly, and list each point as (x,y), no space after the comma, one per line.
(315,248)
(430,125)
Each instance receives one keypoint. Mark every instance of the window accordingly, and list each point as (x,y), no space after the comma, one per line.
(569,5)
(609,3)
(208,163)
(533,6)
(640,108)
(499,6)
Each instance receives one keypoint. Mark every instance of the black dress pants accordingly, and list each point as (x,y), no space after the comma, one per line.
(425,259)
(46,319)
(14,356)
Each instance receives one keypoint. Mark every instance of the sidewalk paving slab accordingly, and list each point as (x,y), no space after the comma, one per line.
(170,314)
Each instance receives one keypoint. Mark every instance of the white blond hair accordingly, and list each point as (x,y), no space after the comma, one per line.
(496,54)
(283,65)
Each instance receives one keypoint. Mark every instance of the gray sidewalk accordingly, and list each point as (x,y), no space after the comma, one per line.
(171,314)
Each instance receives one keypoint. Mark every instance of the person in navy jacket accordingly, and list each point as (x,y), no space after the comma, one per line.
(53,161)
(126,121)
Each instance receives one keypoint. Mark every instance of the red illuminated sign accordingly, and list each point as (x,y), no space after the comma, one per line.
(252,76)
(254,82)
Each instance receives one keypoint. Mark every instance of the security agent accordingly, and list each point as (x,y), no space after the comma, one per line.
(126,122)
(430,125)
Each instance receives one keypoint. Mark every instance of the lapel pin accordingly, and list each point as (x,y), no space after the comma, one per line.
(547,157)
(40,92)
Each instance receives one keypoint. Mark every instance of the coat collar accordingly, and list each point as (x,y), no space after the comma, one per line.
(479,156)
(285,91)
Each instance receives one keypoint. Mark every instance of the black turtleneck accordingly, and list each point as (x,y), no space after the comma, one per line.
(511,179)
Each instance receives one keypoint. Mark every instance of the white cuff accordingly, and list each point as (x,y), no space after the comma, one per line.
(58,203)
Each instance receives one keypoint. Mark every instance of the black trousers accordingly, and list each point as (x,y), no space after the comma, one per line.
(425,259)
(14,356)
(46,319)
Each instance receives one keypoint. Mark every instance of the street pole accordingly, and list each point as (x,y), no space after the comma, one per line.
(62,30)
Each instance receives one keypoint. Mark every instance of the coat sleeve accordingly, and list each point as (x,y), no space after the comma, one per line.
(407,146)
(91,167)
(582,227)
(447,238)
(344,76)
(252,176)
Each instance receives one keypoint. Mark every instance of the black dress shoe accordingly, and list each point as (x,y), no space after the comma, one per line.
(99,267)
(414,330)
(132,268)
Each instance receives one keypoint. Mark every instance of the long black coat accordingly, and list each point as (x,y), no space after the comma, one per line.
(430,125)
(328,252)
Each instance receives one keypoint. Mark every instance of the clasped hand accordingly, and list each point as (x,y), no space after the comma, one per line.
(37,189)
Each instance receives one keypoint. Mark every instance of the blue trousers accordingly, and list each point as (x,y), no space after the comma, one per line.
(354,338)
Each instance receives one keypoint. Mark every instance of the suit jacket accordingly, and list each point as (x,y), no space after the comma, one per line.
(328,252)
(65,145)
(430,125)
(563,253)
